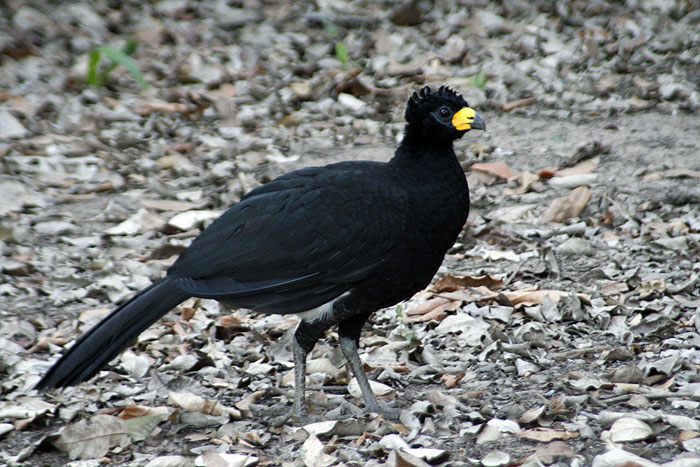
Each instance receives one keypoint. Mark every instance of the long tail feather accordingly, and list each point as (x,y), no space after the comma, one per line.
(104,341)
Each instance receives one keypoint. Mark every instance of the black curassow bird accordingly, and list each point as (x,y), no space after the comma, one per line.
(332,244)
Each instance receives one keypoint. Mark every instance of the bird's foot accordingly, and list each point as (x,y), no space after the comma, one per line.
(295,416)
(390,413)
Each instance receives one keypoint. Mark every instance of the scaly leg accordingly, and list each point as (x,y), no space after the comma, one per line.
(299,409)
(349,334)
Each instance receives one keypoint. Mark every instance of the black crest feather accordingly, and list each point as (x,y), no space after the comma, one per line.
(426,94)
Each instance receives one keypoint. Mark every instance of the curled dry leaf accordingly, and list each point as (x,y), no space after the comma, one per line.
(378,388)
(499,169)
(531,415)
(526,180)
(451,380)
(134,410)
(194,403)
(450,283)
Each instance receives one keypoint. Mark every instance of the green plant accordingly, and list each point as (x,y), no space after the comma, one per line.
(341,53)
(118,57)
(479,81)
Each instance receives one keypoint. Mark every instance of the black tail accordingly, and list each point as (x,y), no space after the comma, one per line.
(104,341)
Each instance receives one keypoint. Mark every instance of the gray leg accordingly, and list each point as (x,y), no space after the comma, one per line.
(349,347)
(299,409)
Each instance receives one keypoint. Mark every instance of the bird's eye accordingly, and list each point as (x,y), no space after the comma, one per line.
(444,112)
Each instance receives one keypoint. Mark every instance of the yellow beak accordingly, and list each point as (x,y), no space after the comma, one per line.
(468,119)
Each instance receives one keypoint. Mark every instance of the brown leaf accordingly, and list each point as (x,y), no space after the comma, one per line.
(499,169)
(451,380)
(526,180)
(479,294)
(686,435)
(437,314)
(567,207)
(531,415)
(435,308)
(194,403)
(229,321)
(134,411)
(451,283)
(427,306)
(530,297)
(23,423)
(145,109)
(547,173)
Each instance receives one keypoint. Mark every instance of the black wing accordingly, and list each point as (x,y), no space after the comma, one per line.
(298,241)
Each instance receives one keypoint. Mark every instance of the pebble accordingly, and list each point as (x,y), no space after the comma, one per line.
(351,103)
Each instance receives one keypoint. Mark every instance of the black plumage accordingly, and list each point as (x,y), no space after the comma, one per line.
(332,243)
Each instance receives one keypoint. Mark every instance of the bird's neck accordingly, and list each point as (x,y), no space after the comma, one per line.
(420,149)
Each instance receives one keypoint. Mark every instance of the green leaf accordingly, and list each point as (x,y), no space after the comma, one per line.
(479,81)
(118,58)
(128,49)
(93,63)
(341,53)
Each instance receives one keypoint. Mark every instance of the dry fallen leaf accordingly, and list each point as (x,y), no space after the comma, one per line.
(526,180)
(451,380)
(450,283)
(529,297)
(314,455)
(194,403)
(499,169)
(546,435)
(134,410)
(548,453)
(434,309)
(567,207)
(93,438)
(630,429)
(378,388)
(531,415)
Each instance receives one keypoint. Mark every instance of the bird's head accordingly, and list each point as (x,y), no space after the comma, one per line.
(441,114)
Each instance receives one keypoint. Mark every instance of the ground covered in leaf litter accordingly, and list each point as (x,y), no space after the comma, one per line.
(563,329)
